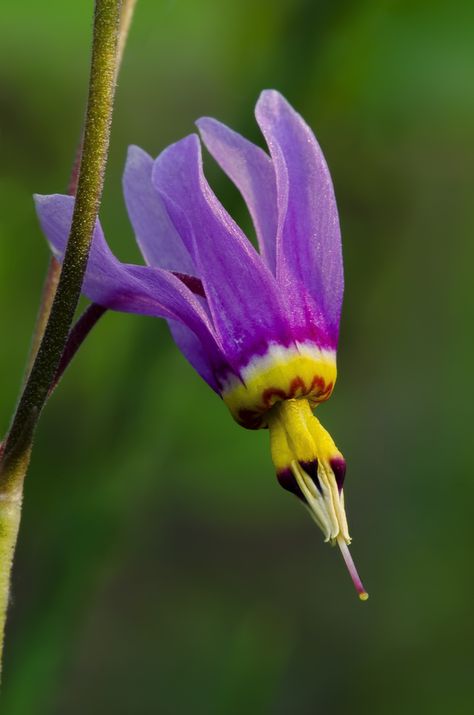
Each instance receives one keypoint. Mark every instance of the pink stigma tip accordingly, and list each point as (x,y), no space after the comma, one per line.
(346,555)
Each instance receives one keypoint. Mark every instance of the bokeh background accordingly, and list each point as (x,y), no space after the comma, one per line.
(160,568)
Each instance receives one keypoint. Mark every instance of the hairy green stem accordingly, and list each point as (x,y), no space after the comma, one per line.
(17,446)
(89,193)
(49,289)
(54,268)
(10,513)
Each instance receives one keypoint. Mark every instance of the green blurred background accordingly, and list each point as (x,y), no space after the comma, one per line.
(160,568)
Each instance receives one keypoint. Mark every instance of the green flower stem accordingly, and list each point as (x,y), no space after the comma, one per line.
(89,193)
(10,513)
(9,523)
(17,445)
(49,289)
(54,268)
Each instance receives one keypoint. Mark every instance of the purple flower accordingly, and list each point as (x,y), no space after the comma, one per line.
(261,327)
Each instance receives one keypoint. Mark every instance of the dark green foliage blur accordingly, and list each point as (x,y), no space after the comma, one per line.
(160,568)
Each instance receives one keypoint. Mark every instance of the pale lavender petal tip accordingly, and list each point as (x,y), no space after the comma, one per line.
(251,170)
(159,242)
(309,255)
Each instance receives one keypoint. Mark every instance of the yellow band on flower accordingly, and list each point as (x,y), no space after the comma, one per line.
(281,374)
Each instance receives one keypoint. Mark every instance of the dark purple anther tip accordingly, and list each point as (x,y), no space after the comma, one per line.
(311,469)
(338,466)
(287,481)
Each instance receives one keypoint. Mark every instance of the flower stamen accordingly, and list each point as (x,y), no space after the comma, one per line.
(313,499)
(309,464)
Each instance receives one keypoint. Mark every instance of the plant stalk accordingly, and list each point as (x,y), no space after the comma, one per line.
(54,268)
(16,448)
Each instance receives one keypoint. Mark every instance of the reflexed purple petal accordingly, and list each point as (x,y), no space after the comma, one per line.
(241,291)
(308,243)
(132,289)
(251,170)
(193,351)
(156,236)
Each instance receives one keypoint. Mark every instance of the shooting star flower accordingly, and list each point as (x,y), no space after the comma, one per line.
(261,327)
